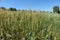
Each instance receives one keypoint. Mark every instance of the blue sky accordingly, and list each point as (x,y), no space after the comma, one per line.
(46,5)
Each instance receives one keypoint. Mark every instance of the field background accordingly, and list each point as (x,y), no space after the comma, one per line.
(29,25)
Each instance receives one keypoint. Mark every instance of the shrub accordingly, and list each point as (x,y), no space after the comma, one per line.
(12,9)
(3,8)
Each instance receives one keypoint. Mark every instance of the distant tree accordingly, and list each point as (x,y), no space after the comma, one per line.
(40,11)
(12,9)
(56,9)
(50,12)
(43,11)
(3,8)
(59,12)
(34,10)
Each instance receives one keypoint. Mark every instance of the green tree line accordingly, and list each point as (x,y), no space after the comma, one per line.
(56,9)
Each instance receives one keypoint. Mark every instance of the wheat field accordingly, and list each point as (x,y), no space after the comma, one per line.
(29,25)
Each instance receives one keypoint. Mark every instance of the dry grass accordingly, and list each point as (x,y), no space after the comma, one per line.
(28,25)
